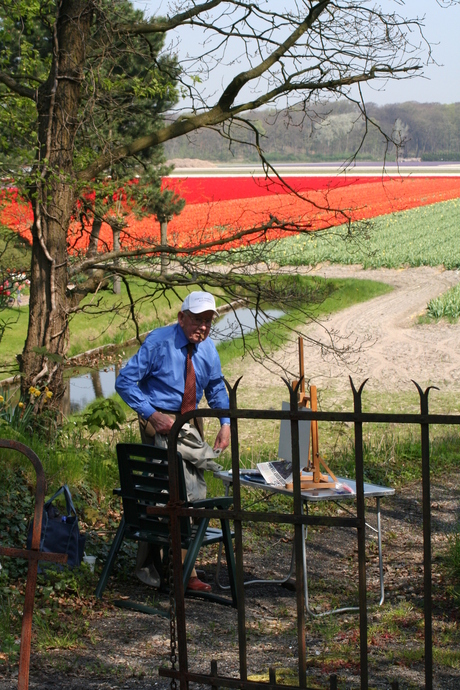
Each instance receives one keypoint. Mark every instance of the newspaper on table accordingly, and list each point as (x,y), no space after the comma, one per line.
(276,473)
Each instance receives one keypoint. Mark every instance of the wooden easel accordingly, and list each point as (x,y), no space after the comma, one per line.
(314,478)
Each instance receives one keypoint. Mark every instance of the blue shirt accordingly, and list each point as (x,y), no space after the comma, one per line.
(154,378)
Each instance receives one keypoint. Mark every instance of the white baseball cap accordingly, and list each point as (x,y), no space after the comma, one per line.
(198,302)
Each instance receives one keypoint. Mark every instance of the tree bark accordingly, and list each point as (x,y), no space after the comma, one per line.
(164,242)
(97,385)
(52,195)
(94,237)
(116,248)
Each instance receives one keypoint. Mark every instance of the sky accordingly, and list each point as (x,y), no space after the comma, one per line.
(441,28)
(442,85)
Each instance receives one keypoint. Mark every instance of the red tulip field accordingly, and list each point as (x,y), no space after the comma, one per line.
(219,207)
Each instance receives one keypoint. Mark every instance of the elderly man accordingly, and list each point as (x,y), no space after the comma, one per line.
(168,376)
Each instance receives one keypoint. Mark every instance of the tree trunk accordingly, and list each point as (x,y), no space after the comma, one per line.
(53,199)
(94,237)
(164,242)
(97,384)
(116,248)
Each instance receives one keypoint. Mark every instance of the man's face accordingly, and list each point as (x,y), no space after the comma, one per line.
(195,326)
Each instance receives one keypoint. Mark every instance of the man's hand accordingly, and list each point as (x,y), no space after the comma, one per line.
(223,438)
(162,423)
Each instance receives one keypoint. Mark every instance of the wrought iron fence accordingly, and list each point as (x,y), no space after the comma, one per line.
(179,671)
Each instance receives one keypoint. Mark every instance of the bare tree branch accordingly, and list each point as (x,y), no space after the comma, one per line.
(315,57)
(164,25)
(17,88)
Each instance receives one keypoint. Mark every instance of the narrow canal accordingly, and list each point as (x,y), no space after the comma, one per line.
(85,388)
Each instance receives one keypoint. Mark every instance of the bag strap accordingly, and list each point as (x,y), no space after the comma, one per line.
(68,499)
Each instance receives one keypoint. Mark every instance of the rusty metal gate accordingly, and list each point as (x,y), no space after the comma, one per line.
(179,671)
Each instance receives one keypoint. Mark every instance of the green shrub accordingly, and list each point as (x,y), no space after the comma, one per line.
(16,508)
(446,305)
(102,413)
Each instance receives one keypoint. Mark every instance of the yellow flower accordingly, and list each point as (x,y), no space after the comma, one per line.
(2,398)
(49,394)
(37,393)
(20,404)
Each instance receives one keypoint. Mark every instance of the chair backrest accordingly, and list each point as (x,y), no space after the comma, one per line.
(144,482)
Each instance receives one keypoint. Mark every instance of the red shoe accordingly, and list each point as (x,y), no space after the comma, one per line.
(196,585)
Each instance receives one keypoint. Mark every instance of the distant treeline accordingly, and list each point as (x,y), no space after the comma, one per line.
(424,131)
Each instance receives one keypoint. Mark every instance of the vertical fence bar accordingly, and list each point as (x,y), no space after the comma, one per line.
(32,571)
(426,502)
(238,527)
(181,637)
(361,508)
(299,535)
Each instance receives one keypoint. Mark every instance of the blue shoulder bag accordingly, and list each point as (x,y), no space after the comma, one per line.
(61,533)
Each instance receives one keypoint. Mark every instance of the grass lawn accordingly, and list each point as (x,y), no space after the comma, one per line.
(105,318)
(334,295)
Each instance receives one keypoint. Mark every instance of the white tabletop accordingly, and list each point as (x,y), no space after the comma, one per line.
(370,490)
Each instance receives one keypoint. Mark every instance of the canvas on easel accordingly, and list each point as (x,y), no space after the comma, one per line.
(284,445)
(313,478)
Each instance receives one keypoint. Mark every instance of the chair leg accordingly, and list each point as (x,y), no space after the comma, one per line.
(193,549)
(230,556)
(114,549)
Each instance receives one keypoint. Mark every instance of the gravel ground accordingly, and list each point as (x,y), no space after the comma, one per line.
(124,649)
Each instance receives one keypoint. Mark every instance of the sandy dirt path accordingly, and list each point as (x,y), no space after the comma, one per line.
(384,341)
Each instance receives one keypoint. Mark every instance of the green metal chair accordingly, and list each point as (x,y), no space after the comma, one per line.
(144,482)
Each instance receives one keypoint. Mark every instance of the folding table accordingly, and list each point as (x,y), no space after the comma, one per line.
(248,479)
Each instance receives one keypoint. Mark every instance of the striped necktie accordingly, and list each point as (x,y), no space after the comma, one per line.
(189,399)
